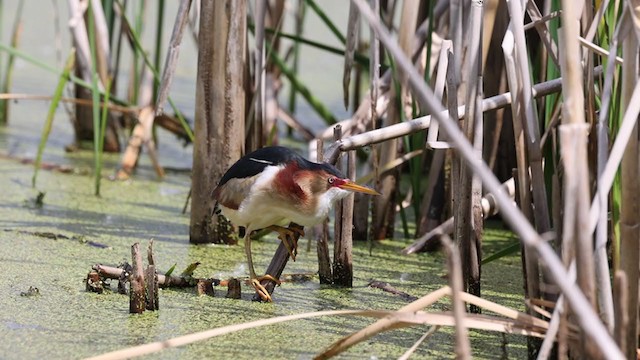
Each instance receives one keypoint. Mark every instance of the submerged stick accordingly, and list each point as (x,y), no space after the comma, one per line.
(278,263)
(111,272)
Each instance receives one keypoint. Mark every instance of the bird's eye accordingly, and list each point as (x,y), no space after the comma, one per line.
(331,180)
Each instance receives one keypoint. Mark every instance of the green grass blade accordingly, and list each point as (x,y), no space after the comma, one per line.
(296,53)
(101,135)
(95,95)
(315,103)
(30,59)
(510,249)
(57,95)
(359,58)
(334,29)
(5,85)
(158,49)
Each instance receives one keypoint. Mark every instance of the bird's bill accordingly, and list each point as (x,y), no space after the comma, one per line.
(351,186)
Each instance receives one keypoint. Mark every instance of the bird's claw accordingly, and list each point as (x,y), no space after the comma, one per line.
(260,289)
(289,237)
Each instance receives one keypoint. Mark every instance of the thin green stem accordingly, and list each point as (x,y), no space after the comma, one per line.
(334,29)
(57,95)
(315,103)
(95,95)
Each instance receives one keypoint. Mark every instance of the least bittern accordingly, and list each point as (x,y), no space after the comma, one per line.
(274,186)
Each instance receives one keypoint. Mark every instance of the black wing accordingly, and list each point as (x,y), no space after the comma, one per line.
(255,162)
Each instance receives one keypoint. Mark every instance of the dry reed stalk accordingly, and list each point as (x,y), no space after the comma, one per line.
(102,41)
(295,124)
(455,33)
(530,124)
(80,38)
(430,217)
(151,277)
(490,14)
(531,269)
(441,77)
(588,319)
(343,247)
(428,220)
(255,126)
(81,102)
(412,314)
(573,140)
(511,325)
(452,107)
(605,180)
(182,17)
(630,207)
(543,31)
(220,135)
(379,90)
(140,136)
(605,300)
(423,122)
(137,294)
(591,33)
(620,287)
(322,234)
(456,282)
(158,346)
(142,132)
(474,101)
(384,205)
(432,330)
(353,27)
(383,324)
(599,50)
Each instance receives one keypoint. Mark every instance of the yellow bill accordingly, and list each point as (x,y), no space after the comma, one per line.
(351,186)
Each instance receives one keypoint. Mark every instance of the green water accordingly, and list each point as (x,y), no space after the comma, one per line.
(64,321)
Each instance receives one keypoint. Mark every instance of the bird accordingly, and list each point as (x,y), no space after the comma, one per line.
(274,186)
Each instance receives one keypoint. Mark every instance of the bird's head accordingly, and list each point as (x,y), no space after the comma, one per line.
(326,184)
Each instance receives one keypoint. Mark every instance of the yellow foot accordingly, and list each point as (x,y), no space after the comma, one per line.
(260,289)
(289,237)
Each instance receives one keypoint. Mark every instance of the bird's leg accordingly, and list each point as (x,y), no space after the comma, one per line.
(287,234)
(254,279)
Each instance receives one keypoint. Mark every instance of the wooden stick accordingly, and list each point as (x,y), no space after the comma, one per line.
(277,265)
(322,236)
(151,277)
(137,295)
(343,257)
(234,290)
(111,272)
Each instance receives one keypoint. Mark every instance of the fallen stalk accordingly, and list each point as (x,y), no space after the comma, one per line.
(111,272)
(395,131)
